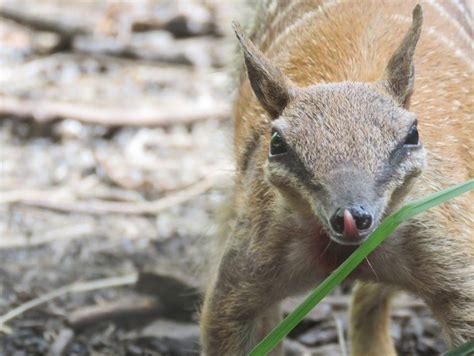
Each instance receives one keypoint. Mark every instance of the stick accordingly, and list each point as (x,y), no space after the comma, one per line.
(340,335)
(68,232)
(99,207)
(75,287)
(164,114)
(28,18)
(126,310)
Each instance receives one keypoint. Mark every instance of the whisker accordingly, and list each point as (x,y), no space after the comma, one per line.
(372,268)
(326,248)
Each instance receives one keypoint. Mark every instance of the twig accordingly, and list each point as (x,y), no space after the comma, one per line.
(163,114)
(72,288)
(17,195)
(40,23)
(126,310)
(68,232)
(340,335)
(343,302)
(61,342)
(99,207)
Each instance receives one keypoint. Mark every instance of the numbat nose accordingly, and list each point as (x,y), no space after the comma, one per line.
(351,222)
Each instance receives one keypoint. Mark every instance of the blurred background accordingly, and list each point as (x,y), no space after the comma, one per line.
(115,152)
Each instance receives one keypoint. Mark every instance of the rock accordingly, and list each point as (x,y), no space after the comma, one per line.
(19,42)
(165,337)
(62,340)
(326,350)
(317,336)
(158,46)
(395,330)
(320,312)
(178,299)
(293,348)
(171,329)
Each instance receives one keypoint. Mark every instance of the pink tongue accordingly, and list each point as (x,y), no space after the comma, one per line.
(350,228)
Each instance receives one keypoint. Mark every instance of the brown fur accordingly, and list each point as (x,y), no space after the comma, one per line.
(330,79)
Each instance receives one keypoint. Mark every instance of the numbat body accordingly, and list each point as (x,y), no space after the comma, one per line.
(331,135)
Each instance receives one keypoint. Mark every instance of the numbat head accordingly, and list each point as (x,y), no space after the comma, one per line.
(341,151)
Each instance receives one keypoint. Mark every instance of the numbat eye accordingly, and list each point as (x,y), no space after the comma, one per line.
(277,145)
(412,138)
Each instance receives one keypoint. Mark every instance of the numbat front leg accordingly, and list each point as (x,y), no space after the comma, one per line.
(240,305)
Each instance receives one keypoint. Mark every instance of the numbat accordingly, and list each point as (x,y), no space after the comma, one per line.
(331,135)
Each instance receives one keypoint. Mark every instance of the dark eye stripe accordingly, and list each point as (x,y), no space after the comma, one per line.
(292,163)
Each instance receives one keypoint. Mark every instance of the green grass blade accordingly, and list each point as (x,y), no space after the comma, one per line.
(339,274)
(466,349)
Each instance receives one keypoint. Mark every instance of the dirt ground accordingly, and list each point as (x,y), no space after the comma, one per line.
(115,152)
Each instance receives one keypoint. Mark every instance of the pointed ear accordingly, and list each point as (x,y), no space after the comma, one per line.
(399,76)
(269,84)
